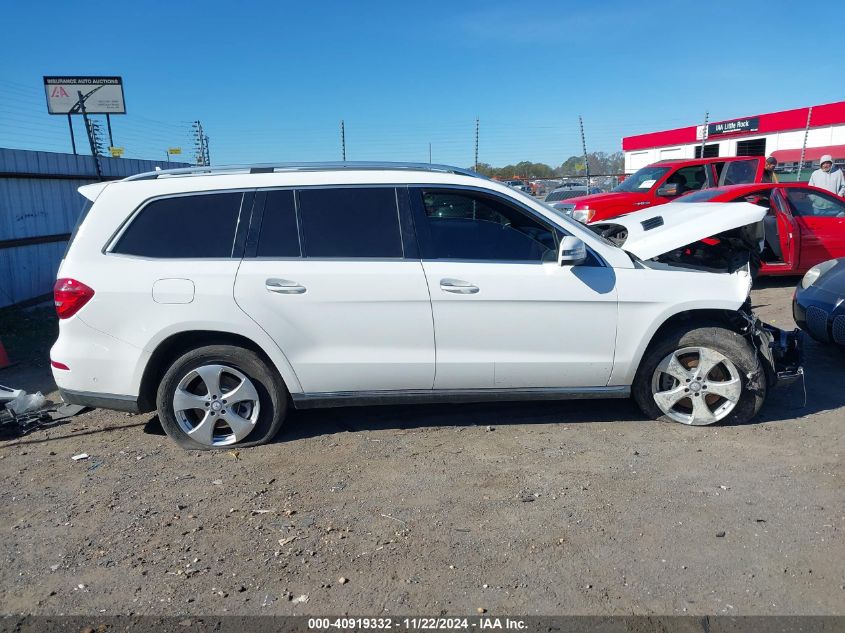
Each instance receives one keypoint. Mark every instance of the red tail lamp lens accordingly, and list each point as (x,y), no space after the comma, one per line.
(69,296)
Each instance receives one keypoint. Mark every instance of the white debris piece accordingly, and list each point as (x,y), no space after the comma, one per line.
(80,457)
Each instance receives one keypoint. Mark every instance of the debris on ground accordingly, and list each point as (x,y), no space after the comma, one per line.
(7,393)
(80,457)
(26,402)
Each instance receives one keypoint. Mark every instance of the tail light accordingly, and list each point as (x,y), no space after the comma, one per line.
(70,295)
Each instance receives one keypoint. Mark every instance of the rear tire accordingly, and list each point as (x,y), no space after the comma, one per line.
(715,377)
(221,396)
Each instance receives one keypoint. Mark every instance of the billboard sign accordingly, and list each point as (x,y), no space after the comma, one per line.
(737,126)
(101,95)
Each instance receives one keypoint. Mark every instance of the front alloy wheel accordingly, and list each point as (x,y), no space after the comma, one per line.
(696,385)
(699,374)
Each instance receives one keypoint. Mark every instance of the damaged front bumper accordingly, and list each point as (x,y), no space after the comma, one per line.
(782,352)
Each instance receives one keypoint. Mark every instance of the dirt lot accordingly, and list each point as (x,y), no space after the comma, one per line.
(572,507)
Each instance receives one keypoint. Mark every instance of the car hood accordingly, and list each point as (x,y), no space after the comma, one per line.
(653,232)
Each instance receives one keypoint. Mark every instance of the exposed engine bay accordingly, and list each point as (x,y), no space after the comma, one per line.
(725,252)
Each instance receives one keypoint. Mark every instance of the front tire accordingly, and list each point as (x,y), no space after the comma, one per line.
(700,376)
(221,396)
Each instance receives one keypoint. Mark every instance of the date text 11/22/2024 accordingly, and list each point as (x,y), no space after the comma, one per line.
(415,624)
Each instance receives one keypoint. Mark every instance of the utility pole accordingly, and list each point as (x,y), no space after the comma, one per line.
(201,145)
(804,146)
(584,148)
(343,140)
(476,144)
(429,154)
(108,124)
(705,132)
(91,139)
(72,139)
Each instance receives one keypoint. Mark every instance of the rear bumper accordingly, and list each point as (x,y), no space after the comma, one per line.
(101,400)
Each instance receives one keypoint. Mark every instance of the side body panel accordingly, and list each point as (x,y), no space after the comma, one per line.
(649,296)
(526,325)
(357,325)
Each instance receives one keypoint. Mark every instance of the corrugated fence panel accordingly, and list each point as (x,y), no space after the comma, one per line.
(33,205)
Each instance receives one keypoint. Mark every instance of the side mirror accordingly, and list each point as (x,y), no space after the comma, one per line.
(669,190)
(572,251)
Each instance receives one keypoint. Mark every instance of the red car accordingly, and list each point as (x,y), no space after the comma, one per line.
(805,225)
(664,182)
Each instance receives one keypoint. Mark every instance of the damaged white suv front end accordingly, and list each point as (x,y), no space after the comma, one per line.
(706,256)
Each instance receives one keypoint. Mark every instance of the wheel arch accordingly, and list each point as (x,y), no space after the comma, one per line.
(172,347)
(722,317)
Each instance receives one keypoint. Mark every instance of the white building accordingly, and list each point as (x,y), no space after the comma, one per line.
(778,134)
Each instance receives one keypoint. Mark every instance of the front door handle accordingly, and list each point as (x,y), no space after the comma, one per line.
(284,286)
(458,286)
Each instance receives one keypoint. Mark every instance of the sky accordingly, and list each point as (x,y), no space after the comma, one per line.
(271,81)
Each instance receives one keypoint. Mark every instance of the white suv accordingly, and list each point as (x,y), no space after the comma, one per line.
(222,296)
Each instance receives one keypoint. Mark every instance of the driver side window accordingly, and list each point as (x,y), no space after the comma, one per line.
(467,225)
(815,204)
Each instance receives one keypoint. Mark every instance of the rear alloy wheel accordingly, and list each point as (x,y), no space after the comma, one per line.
(216,405)
(699,376)
(220,396)
(696,385)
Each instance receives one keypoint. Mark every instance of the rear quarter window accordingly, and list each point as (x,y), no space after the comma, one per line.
(193,226)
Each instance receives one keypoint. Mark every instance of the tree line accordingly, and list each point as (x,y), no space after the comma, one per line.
(600,163)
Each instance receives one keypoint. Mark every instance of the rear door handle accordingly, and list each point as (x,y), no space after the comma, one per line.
(284,286)
(458,286)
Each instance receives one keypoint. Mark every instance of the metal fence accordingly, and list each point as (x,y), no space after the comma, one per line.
(39,205)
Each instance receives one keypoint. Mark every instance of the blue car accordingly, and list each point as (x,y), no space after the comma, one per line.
(819,302)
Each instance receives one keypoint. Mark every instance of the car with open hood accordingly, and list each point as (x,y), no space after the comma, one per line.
(803,226)
(221,296)
(663,182)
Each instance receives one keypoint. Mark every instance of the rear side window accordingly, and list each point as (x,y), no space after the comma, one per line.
(279,235)
(350,222)
(738,172)
(184,227)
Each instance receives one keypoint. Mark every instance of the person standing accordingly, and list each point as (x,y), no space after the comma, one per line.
(826,177)
(769,174)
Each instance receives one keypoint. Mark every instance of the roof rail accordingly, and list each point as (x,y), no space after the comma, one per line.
(269,168)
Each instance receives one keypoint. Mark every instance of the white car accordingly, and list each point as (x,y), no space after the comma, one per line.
(220,297)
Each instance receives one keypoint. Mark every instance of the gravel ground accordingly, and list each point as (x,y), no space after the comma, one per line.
(551,508)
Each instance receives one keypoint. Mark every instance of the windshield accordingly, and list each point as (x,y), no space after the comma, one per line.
(700,196)
(643,180)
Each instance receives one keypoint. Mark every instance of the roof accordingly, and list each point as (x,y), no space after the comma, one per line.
(823,115)
(704,161)
(271,168)
(758,186)
(811,154)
